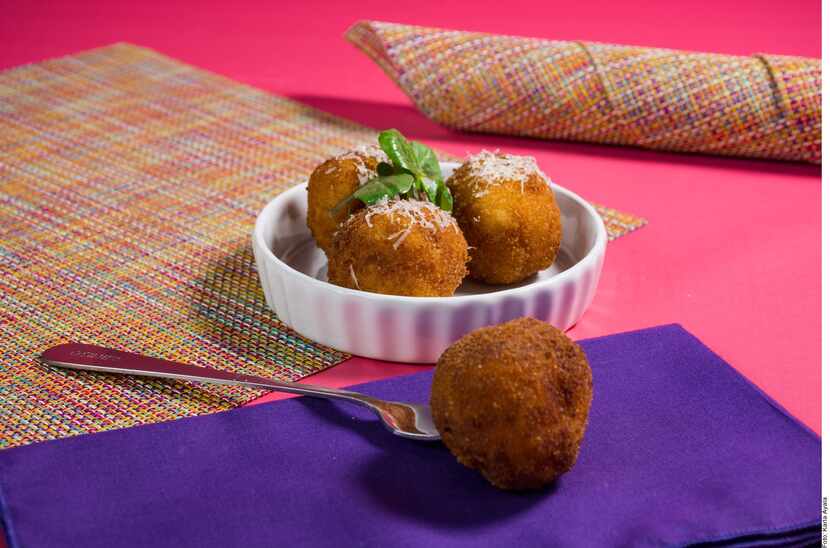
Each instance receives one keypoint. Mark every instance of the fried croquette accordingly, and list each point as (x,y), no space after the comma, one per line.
(512,401)
(399,247)
(331,182)
(508,214)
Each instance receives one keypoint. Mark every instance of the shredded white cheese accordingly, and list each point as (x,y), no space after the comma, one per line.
(354,278)
(364,174)
(360,154)
(490,169)
(411,213)
(364,151)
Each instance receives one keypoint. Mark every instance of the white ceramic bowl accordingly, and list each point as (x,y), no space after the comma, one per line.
(292,271)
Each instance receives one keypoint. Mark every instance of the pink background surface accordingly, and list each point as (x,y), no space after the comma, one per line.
(732,250)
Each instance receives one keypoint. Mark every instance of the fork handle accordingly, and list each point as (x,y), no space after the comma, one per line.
(90,357)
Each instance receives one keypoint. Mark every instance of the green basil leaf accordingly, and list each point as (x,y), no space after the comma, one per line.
(445,199)
(410,192)
(413,171)
(385,168)
(398,149)
(430,187)
(373,190)
(427,161)
(388,186)
(341,204)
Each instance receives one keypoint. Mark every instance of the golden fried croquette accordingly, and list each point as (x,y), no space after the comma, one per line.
(508,214)
(331,182)
(399,247)
(512,401)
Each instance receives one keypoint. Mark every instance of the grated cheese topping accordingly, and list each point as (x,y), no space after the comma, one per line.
(354,278)
(360,154)
(490,169)
(412,213)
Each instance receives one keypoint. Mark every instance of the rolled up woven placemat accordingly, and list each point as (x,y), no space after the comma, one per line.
(763,106)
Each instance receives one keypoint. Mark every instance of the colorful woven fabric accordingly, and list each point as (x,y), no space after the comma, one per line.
(618,223)
(129,185)
(764,106)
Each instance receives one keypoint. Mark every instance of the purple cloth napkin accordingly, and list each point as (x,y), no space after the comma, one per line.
(680,449)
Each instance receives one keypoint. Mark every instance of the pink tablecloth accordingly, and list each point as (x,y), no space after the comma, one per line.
(732,250)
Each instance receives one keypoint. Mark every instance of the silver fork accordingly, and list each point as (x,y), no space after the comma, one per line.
(407,420)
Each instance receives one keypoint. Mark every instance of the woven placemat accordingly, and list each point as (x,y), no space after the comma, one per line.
(762,106)
(129,185)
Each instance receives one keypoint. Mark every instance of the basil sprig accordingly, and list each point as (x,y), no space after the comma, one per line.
(413,173)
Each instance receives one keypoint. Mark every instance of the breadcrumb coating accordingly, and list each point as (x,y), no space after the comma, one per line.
(331,182)
(509,215)
(399,247)
(512,401)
